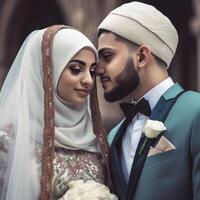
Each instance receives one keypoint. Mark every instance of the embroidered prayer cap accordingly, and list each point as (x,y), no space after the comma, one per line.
(144,24)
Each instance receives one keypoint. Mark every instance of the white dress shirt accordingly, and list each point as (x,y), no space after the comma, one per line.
(133,133)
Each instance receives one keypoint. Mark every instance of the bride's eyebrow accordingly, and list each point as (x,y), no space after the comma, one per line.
(82,62)
(78,61)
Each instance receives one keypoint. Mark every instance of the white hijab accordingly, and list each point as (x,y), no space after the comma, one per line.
(22,109)
(73,124)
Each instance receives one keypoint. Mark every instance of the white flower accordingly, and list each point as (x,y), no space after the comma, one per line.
(90,190)
(153,128)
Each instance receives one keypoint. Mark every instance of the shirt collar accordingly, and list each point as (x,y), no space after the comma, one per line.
(156,92)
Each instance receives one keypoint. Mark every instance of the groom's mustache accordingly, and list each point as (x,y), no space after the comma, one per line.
(104,78)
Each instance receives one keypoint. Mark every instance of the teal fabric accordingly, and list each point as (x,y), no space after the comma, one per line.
(174,175)
(113,132)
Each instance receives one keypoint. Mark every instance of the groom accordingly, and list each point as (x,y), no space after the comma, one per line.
(136,44)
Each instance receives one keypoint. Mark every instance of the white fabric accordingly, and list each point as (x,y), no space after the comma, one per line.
(22,107)
(74,127)
(71,122)
(133,133)
(144,24)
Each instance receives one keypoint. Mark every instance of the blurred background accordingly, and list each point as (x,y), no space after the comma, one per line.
(19,17)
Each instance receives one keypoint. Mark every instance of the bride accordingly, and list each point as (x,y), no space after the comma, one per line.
(49,135)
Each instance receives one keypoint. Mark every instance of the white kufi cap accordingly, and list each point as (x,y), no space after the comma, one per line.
(143,24)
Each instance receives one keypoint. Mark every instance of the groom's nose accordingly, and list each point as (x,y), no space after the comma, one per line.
(100,69)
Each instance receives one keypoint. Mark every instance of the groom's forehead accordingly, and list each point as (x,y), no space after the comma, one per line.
(109,40)
(107,37)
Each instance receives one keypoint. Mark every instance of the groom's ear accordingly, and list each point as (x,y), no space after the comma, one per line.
(144,56)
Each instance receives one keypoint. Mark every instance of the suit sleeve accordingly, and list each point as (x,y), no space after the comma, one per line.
(195,155)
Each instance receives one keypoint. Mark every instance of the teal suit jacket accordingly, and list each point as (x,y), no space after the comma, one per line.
(172,175)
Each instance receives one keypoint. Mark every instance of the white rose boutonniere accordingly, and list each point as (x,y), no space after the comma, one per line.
(152,129)
(90,190)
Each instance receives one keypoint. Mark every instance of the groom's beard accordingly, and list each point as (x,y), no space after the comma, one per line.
(126,82)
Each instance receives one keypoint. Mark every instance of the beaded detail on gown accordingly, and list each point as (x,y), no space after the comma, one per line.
(75,165)
(68,165)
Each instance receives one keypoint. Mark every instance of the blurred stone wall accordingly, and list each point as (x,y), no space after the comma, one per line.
(195,28)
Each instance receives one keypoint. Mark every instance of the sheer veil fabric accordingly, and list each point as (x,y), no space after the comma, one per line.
(22,112)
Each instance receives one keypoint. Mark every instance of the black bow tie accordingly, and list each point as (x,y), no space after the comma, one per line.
(131,109)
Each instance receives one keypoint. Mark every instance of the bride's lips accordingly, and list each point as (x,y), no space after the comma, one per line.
(83,91)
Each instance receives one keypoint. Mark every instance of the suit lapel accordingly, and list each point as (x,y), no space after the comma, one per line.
(118,179)
(165,103)
(160,113)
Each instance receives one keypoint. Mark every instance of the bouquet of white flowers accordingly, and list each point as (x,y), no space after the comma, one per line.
(90,190)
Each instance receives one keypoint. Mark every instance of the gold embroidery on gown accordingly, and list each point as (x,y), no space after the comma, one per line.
(68,165)
(75,165)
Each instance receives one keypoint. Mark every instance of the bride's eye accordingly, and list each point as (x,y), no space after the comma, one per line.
(75,69)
